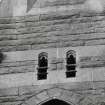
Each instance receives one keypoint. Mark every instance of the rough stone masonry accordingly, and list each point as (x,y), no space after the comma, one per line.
(54,27)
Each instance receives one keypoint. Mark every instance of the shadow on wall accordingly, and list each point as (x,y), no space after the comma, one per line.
(21,7)
(36,6)
(30,4)
(6,9)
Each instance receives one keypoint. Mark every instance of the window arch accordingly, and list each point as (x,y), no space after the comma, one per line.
(42,66)
(71,63)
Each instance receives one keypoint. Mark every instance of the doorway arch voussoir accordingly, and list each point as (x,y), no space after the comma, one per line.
(51,94)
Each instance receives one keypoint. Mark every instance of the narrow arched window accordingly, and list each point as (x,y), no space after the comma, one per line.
(42,66)
(71,64)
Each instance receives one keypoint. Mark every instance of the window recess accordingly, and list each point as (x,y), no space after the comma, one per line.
(71,64)
(42,66)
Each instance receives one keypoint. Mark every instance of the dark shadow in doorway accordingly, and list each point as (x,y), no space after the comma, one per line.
(55,102)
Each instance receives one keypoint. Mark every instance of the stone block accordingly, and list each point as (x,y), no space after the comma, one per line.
(34,89)
(85,59)
(16,80)
(100,99)
(71,96)
(24,90)
(42,96)
(32,18)
(44,87)
(44,46)
(10,64)
(61,2)
(31,41)
(31,35)
(90,18)
(98,84)
(76,86)
(10,98)
(18,19)
(92,58)
(54,92)
(90,36)
(8,91)
(8,43)
(76,98)
(100,92)
(23,104)
(4,70)
(7,37)
(26,63)
(95,42)
(7,48)
(53,67)
(68,43)
(86,101)
(21,69)
(20,25)
(32,23)
(25,42)
(27,56)
(54,59)
(32,101)
(7,26)
(55,16)
(8,32)
(18,63)
(11,103)
(48,23)
(92,64)
(60,66)
(6,20)
(66,94)
(99,74)
(23,47)
(26,24)
(10,48)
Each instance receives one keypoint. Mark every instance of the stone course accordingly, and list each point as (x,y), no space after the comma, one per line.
(9,92)
(31,96)
(17,67)
(25,34)
(75,97)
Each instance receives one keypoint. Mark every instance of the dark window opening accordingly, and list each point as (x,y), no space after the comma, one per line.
(55,102)
(42,66)
(71,64)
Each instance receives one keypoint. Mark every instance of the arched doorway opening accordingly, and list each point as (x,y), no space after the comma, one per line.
(55,102)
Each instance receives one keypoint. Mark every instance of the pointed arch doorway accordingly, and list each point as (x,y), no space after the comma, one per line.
(55,102)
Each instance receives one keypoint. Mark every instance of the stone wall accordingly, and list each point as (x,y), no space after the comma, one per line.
(23,38)
(73,93)
(51,31)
